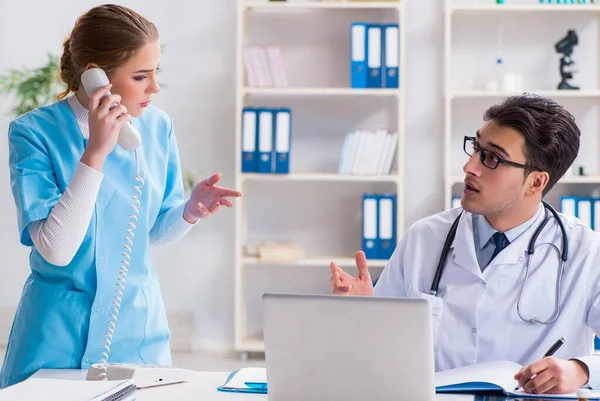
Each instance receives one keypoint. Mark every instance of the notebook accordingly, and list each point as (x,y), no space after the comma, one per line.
(69,390)
(492,378)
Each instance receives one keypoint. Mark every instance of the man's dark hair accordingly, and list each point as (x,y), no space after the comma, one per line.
(551,135)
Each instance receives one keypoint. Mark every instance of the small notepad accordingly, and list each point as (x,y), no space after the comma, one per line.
(69,390)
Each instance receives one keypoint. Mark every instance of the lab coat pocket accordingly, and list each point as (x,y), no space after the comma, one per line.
(437,309)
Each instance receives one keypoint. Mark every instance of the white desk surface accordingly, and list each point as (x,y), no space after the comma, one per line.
(203,387)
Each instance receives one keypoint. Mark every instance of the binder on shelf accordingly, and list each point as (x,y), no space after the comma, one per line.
(391,55)
(387,226)
(455,202)
(596,215)
(358,55)
(282,137)
(265,141)
(568,205)
(584,211)
(374,56)
(370,241)
(249,133)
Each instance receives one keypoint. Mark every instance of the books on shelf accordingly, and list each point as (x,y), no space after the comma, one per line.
(368,152)
(264,67)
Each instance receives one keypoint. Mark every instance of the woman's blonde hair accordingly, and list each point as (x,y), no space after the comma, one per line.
(108,36)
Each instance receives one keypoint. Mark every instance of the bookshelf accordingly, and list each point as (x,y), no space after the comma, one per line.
(527,32)
(324,108)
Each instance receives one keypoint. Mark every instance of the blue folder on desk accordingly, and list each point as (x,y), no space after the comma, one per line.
(246,380)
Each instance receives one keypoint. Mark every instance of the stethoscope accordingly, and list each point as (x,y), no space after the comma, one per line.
(530,250)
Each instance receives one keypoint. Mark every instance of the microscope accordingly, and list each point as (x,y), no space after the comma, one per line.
(565,47)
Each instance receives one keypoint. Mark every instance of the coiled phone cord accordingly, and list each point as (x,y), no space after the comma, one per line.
(120,287)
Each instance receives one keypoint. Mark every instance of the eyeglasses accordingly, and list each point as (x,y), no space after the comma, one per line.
(488,158)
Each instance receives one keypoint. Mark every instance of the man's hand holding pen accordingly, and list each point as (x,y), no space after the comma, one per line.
(553,375)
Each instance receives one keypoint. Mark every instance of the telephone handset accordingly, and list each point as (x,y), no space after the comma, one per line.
(143,375)
(94,79)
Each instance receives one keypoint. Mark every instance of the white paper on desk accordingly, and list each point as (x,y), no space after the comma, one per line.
(60,390)
(499,373)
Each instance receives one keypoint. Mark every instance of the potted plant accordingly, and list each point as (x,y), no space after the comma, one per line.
(32,87)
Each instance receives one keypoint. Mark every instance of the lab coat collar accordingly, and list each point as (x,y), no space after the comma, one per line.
(463,252)
(463,246)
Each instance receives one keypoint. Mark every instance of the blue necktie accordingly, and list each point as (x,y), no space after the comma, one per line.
(501,242)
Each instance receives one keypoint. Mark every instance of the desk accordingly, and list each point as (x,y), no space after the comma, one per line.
(203,387)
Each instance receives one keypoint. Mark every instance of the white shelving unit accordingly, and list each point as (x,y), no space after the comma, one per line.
(245,341)
(588,95)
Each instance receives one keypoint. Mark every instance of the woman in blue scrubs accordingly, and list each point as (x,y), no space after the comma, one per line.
(74,188)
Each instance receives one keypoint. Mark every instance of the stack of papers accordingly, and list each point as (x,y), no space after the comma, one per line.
(70,390)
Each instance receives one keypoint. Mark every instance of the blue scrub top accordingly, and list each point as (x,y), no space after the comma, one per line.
(63,312)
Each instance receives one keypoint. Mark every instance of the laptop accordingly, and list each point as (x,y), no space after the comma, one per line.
(350,348)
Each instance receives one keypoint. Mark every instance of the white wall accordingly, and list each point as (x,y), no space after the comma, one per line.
(198,68)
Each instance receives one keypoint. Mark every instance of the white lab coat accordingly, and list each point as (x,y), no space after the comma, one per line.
(475,313)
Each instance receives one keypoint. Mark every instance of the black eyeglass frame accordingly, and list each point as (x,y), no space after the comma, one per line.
(500,160)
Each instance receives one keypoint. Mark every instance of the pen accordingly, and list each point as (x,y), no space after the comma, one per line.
(555,347)
(551,351)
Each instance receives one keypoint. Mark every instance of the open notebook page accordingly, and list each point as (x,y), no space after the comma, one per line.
(500,373)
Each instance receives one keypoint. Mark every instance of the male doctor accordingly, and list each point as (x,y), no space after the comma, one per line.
(525,146)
